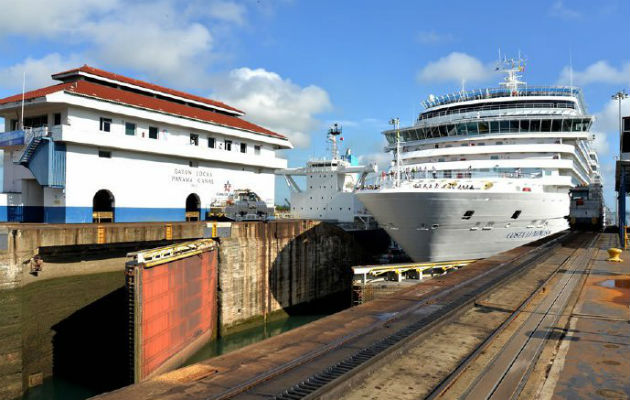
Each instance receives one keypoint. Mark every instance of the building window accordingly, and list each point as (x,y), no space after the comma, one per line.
(243,147)
(194,139)
(257,150)
(106,124)
(211,142)
(228,145)
(57,119)
(104,154)
(130,129)
(153,132)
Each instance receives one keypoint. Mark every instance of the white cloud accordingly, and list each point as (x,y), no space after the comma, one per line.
(559,10)
(432,37)
(37,71)
(153,38)
(599,72)
(273,102)
(227,11)
(42,18)
(455,67)
(606,126)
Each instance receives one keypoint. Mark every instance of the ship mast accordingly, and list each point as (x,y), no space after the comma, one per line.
(512,67)
(396,123)
(333,132)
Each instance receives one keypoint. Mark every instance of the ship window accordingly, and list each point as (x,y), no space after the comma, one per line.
(545,125)
(211,142)
(557,124)
(153,132)
(504,126)
(514,126)
(534,125)
(499,143)
(228,145)
(461,129)
(194,139)
(483,127)
(472,128)
(494,157)
(516,214)
(524,125)
(566,125)
(243,147)
(57,118)
(256,149)
(193,164)
(104,154)
(468,214)
(105,125)
(130,129)
(494,126)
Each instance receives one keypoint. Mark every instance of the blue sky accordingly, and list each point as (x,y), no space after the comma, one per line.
(298,66)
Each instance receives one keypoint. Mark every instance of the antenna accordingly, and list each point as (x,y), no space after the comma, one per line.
(570,68)
(23,87)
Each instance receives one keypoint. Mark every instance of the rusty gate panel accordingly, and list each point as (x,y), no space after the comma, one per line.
(173,305)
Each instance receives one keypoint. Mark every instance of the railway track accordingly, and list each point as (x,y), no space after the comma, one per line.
(356,353)
(505,376)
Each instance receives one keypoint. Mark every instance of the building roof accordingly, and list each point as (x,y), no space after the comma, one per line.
(134,99)
(136,82)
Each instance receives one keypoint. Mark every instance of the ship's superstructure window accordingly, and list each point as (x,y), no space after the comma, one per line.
(104,154)
(57,119)
(105,125)
(243,147)
(228,145)
(194,139)
(130,129)
(516,214)
(153,132)
(257,149)
(211,142)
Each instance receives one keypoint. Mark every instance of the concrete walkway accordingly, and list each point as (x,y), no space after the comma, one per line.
(593,360)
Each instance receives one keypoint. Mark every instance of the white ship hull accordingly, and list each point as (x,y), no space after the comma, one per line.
(429,226)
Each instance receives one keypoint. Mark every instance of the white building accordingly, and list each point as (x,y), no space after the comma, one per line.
(99,142)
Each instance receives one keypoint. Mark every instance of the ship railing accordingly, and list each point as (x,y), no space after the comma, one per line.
(490,93)
(389,179)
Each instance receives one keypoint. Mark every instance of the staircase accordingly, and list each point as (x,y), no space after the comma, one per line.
(29,150)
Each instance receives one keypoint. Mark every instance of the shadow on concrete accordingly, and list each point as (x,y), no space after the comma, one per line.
(90,347)
(312,274)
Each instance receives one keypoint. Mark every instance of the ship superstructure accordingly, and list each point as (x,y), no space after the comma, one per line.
(486,170)
(329,192)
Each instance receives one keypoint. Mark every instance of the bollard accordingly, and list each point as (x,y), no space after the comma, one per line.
(614,254)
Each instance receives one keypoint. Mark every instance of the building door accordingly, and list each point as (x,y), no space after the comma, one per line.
(103,206)
(193,207)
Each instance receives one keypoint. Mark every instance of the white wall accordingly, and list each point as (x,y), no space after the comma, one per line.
(154,181)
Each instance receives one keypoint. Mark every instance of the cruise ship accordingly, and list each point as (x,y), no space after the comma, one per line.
(484,171)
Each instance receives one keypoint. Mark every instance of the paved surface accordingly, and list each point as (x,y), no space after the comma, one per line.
(594,358)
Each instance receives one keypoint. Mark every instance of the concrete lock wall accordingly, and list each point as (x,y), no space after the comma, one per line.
(275,267)
(174,311)
(71,320)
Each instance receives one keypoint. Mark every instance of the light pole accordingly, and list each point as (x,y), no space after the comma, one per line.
(621,213)
(619,96)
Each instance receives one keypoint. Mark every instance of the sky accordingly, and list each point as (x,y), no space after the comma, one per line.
(296,66)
